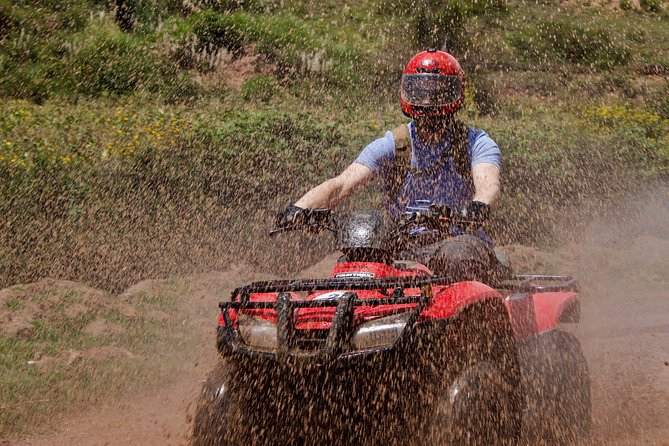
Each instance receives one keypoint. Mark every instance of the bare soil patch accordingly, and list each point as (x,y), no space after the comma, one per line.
(100,327)
(21,305)
(233,72)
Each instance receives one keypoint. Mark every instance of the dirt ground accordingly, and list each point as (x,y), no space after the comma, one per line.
(623,265)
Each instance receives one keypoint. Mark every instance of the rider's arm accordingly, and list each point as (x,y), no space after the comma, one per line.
(486,163)
(331,192)
(486,182)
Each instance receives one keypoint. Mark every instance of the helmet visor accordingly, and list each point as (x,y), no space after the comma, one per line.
(430,89)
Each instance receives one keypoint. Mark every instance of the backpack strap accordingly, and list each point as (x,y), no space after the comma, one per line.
(402,163)
(402,137)
(460,150)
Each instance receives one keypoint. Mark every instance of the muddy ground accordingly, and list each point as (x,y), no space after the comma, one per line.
(623,264)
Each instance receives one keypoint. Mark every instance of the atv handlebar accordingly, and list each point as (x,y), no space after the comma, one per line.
(437,217)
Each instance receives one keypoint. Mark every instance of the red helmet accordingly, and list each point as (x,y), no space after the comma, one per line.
(432,84)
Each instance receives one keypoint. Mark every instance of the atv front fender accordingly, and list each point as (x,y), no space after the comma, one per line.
(453,299)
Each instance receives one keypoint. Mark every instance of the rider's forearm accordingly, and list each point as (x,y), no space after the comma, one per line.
(488,196)
(486,183)
(335,190)
(325,195)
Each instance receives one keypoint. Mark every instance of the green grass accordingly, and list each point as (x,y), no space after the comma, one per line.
(13,304)
(71,169)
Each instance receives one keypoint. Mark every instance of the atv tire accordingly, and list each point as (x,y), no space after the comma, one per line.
(558,385)
(480,402)
(217,406)
(234,408)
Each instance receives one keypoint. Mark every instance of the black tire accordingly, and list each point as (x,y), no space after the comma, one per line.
(215,407)
(481,401)
(558,383)
(236,408)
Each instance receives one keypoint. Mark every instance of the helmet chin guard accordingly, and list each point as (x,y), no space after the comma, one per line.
(432,85)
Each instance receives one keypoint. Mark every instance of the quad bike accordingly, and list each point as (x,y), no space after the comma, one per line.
(386,352)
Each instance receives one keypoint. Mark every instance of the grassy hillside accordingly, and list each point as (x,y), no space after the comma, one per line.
(158,138)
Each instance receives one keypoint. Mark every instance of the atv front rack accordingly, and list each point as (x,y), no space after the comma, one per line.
(521,282)
(338,338)
(311,285)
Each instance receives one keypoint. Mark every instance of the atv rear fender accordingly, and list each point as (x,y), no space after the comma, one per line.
(551,309)
(536,307)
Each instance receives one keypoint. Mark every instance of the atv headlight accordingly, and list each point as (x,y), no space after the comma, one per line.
(257,332)
(382,332)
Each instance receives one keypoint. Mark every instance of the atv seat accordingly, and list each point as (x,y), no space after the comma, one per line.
(504,267)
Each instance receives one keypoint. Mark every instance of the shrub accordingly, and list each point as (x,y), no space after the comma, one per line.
(659,101)
(625,118)
(637,35)
(99,60)
(285,39)
(24,74)
(48,18)
(626,5)
(213,30)
(442,23)
(7,20)
(652,6)
(210,30)
(237,5)
(259,88)
(115,64)
(559,42)
(145,15)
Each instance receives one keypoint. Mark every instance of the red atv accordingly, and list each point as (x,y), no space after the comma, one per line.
(384,351)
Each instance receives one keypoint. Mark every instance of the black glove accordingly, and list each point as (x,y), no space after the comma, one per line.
(291,216)
(441,210)
(476,211)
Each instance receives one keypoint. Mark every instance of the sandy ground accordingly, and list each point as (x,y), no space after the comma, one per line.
(623,264)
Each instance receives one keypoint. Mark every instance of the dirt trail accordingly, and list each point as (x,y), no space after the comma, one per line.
(623,264)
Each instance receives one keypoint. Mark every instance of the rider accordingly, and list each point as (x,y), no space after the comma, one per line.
(435,159)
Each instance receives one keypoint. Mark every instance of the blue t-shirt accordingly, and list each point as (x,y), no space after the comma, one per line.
(443,185)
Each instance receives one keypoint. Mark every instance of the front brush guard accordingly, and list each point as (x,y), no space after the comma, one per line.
(337,342)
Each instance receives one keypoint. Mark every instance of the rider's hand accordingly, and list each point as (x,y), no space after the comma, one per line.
(290,216)
(441,211)
(476,211)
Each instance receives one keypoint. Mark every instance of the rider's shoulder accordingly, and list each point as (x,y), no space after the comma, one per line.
(475,135)
(402,137)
